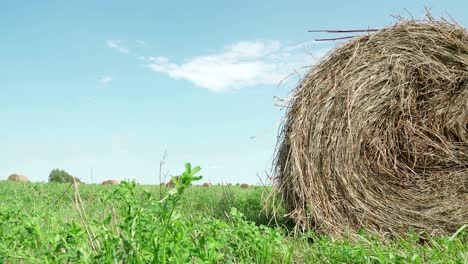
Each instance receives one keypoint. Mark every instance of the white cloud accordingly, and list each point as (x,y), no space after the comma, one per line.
(105,79)
(143,43)
(116,44)
(239,65)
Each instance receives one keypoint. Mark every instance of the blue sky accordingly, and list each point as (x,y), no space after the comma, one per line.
(112,85)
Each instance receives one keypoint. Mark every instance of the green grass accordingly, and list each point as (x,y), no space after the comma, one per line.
(189,224)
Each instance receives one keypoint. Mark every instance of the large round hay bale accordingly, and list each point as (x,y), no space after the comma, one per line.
(244,186)
(206,185)
(376,135)
(18,178)
(110,182)
(170,184)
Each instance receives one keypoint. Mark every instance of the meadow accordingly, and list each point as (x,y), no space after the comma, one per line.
(130,223)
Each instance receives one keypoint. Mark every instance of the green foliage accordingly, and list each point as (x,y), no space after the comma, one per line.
(190,224)
(61,176)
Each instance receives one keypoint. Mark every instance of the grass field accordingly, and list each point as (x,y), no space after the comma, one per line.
(129,223)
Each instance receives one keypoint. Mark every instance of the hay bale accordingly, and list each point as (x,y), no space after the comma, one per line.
(18,178)
(110,182)
(244,186)
(170,184)
(376,135)
(206,185)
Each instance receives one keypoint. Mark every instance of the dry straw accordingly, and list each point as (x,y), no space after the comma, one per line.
(18,178)
(170,184)
(110,182)
(376,135)
(206,185)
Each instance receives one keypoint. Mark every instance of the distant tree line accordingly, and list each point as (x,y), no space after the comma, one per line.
(57,175)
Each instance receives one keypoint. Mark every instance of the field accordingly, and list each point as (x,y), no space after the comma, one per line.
(130,223)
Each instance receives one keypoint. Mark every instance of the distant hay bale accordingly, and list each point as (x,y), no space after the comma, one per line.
(18,178)
(110,182)
(244,186)
(170,184)
(206,185)
(376,135)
